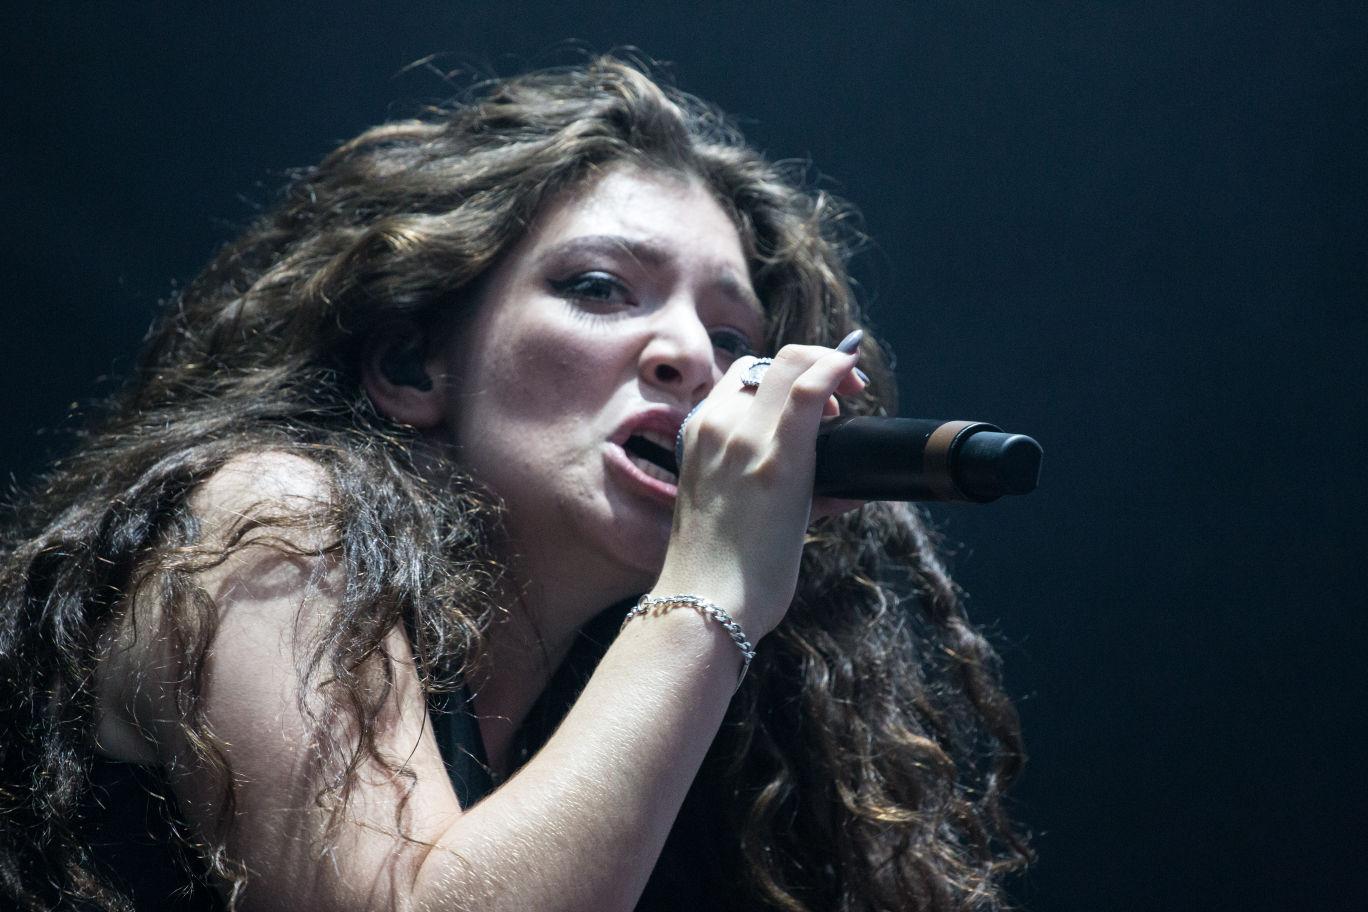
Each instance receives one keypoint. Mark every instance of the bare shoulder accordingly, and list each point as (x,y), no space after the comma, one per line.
(262,552)
(284,730)
(261,488)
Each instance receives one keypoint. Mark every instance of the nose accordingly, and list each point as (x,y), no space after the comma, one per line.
(678,355)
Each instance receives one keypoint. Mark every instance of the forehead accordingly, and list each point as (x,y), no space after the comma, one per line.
(665,219)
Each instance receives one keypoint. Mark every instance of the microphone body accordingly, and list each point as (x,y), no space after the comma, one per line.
(869,458)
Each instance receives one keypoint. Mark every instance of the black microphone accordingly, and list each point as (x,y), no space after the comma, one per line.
(923,459)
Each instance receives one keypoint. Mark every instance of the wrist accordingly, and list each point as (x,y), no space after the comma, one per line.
(729,591)
(655,605)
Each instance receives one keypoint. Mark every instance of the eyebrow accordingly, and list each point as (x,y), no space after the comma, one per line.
(651,254)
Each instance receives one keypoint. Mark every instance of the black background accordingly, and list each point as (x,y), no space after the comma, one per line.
(1135,231)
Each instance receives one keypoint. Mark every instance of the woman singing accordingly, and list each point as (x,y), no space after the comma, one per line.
(380,586)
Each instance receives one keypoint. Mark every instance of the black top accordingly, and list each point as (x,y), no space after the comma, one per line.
(131,815)
(694,869)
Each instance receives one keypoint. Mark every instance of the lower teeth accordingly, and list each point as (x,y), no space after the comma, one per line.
(651,469)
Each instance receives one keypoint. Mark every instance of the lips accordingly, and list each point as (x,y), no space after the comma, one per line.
(647,444)
(653,452)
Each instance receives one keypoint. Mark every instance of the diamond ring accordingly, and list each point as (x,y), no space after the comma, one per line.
(751,376)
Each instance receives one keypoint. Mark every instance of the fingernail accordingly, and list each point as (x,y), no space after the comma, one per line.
(864,378)
(851,342)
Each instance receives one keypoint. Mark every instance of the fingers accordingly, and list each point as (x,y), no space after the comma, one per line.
(723,410)
(745,484)
(853,383)
(798,390)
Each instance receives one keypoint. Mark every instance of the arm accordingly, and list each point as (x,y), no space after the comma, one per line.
(581,826)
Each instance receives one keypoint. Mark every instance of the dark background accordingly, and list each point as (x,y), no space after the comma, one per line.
(1133,230)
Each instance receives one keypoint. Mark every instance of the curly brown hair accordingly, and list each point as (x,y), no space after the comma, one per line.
(863,763)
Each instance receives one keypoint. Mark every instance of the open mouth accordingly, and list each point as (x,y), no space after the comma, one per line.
(653,453)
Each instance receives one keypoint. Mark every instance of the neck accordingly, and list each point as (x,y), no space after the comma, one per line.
(545,607)
(547,595)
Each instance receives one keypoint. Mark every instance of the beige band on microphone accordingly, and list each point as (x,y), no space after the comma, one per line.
(936,458)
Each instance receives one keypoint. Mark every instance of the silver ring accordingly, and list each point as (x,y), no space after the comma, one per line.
(752,375)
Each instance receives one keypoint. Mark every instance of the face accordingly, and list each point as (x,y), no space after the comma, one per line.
(592,339)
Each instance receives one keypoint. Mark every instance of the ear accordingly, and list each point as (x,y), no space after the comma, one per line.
(399,376)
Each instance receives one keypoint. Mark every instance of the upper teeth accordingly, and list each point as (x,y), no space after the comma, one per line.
(657,438)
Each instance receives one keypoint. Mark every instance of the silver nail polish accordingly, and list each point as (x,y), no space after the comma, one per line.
(851,342)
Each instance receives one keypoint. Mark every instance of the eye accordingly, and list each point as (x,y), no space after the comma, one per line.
(732,343)
(597,287)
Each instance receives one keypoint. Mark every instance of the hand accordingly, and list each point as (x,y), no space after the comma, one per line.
(745,488)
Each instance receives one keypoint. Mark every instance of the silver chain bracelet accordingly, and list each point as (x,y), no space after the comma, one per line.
(738,636)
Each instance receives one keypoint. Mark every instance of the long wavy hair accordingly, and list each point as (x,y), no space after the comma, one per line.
(863,762)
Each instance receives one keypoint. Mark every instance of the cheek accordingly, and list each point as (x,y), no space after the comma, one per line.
(539,372)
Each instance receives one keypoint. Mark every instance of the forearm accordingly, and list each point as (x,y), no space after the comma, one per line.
(581,826)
